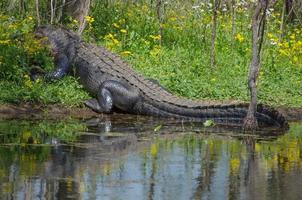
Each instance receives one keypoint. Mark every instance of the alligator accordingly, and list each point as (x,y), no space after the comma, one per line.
(113,84)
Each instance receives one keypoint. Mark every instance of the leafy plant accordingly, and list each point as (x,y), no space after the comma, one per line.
(178,57)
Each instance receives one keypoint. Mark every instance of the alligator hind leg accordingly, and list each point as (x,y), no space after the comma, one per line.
(113,94)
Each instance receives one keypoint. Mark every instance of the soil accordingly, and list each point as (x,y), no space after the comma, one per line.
(29,111)
(57,111)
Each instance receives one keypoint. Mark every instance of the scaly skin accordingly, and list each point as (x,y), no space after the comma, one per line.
(115,85)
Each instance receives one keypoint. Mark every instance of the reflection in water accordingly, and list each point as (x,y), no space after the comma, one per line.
(126,158)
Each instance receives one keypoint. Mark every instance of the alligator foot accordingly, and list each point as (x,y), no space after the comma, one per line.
(94,105)
(36,73)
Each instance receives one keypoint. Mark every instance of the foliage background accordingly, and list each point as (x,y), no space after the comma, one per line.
(173,49)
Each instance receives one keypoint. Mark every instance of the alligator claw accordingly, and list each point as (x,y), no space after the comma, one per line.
(94,105)
(36,73)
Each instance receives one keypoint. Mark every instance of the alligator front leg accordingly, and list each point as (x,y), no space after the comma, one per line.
(113,94)
(62,68)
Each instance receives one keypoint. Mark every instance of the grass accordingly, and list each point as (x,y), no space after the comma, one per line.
(187,73)
(67,92)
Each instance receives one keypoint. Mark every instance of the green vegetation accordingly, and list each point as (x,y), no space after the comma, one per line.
(17,132)
(178,58)
(19,53)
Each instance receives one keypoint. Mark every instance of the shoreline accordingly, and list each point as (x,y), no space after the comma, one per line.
(59,111)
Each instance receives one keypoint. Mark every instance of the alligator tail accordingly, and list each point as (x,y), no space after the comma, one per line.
(268,116)
(234,115)
(229,114)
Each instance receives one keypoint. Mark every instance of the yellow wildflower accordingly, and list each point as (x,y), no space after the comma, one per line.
(123,30)
(115,41)
(283,52)
(292,37)
(38,81)
(129,13)
(145,8)
(126,53)
(3,17)
(155,37)
(146,42)
(4,41)
(239,37)
(162,25)
(172,19)
(285,44)
(240,10)
(89,19)
(269,35)
(27,81)
(295,59)
(297,30)
(279,44)
(12,26)
(109,36)
(115,25)
(111,41)
(155,51)
(30,17)
(122,21)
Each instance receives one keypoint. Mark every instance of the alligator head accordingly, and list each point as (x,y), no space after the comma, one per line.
(56,38)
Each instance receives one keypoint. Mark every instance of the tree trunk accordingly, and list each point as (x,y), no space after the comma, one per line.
(78,9)
(282,20)
(213,38)
(22,7)
(59,10)
(160,18)
(233,4)
(258,25)
(11,5)
(52,12)
(37,12)
(289,7)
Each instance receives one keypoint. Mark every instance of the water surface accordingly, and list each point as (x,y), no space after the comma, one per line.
(142,158)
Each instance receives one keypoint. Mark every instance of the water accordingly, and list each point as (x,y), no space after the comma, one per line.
(126,157)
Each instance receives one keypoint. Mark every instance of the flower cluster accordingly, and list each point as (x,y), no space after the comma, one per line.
(89,20)
(290,48)
(238,37)
(111,41)
(155,37)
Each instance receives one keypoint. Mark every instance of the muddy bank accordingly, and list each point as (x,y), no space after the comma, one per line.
(56,111)
(291,114)
(29,111)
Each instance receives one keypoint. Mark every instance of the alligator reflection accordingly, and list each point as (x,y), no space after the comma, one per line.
(126,158)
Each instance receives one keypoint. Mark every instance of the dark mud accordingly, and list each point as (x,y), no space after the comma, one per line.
(56,111)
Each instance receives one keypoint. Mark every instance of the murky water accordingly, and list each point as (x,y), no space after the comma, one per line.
(126,157)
